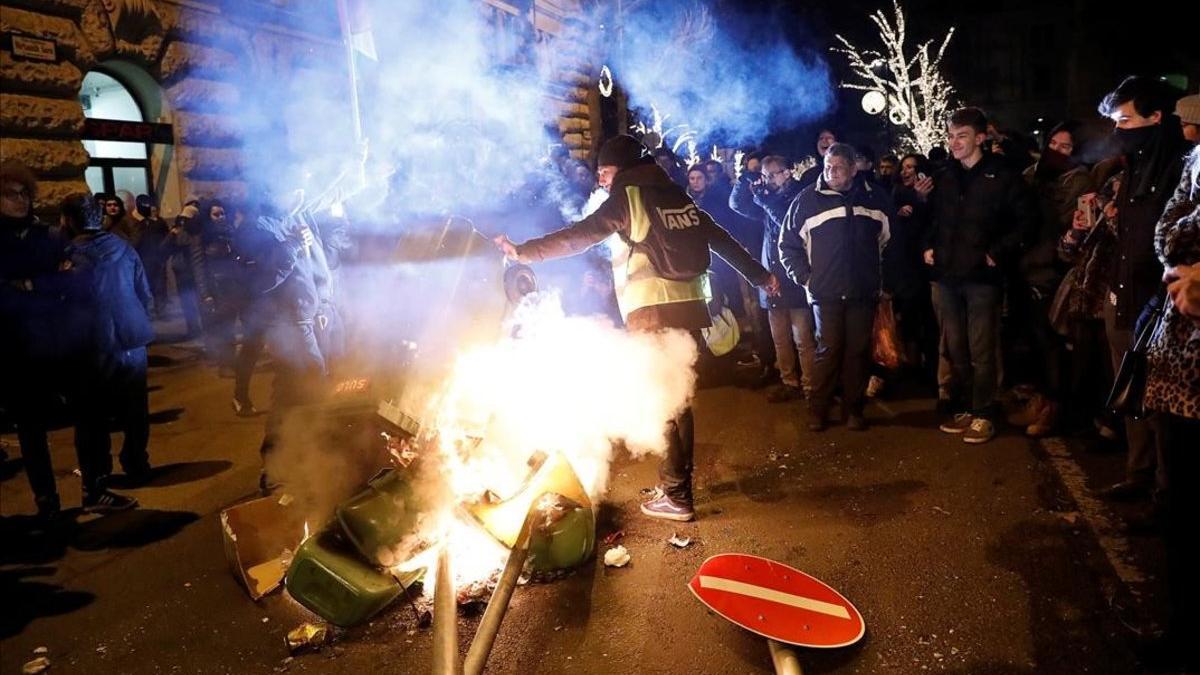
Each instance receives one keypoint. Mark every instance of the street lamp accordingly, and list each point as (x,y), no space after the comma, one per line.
(873,102)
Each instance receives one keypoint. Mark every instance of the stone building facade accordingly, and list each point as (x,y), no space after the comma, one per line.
(179,59)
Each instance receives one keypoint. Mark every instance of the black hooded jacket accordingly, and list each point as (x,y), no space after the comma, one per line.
(983,211)
(1147,182)
(677,249)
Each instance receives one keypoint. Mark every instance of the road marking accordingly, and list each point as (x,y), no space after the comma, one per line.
(749,590)
(1114,545)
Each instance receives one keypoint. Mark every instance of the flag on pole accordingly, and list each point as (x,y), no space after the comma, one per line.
(356,27)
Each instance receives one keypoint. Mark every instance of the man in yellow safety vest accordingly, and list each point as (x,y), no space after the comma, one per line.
(660,270)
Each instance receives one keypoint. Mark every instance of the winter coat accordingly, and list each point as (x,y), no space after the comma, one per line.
(284,270)
(1086,283)
(976,213)
(1149,177)
(1057,198)
(832,242)
(904,271)
(676,252)
(30,254)
(770,207)
(187,256)
(114,309)
(1173,358)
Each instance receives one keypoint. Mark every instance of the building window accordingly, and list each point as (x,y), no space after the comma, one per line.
(114,165)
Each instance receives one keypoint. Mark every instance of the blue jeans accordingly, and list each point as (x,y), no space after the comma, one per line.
(970,314)
(843,354)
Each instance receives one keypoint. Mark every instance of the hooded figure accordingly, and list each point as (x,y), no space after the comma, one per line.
(111,318)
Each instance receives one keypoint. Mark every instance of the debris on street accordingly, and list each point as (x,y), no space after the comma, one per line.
(39,665)
(616,556)
(678,541)
(308,636)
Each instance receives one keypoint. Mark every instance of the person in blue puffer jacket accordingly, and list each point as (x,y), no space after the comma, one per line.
(831,244)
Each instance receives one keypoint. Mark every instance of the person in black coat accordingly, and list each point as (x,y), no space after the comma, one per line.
(152,248)
(981,213)
(284,284)
(30,255)
(110,318)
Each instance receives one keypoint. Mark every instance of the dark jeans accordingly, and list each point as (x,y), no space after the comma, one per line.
(189,301)
(843,353)
(111,386)
(1041,353)
(299,376)
(1143,447)
(29,393)
(156,274)
(1089,371)
(254,336)
(969,315)
(918,330)
(220,329)
(675,470)
(1180,440)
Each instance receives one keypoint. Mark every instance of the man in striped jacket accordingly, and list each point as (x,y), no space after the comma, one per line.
(831,243)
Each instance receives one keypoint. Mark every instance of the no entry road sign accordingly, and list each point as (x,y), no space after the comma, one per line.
(776,601)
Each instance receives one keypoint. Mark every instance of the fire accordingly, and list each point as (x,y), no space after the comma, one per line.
(569,387)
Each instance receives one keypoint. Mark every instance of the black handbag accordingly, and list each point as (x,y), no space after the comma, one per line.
(1126,399)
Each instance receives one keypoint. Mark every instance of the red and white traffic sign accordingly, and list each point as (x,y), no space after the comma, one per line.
(776,601)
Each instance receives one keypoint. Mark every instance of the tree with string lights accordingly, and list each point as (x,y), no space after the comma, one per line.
(913,89)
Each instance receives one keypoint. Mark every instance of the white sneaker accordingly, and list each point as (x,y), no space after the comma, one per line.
(874,386)
(981,431)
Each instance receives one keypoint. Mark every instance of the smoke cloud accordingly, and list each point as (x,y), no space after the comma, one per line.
(575,385)
(728,76)
(458,124)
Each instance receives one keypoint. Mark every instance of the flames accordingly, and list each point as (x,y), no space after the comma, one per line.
(570,387)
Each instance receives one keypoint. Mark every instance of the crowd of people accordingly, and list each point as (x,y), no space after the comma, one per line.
(79,298)
(1025,285)
(1031,273)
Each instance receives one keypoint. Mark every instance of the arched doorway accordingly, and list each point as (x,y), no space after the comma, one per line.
(115,164)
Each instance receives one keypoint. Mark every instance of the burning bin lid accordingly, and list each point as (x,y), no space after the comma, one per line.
(564,529)
(378,519)
(329,578)
(563,534)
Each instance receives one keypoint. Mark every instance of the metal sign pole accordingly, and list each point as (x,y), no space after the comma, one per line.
(785,659)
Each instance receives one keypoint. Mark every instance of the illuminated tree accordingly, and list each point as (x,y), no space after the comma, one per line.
(918,95)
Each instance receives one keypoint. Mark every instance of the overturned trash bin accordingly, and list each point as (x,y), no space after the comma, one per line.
(380,519)
(328,577)
(562,534)
(563,529)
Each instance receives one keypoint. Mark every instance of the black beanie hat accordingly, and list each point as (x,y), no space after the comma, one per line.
(622,151)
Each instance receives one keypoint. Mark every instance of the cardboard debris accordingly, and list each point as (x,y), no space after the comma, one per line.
(616,556)
(257,536)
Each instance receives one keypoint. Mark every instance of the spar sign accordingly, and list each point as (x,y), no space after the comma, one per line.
(777,602)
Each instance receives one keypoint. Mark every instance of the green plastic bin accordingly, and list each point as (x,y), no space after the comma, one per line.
(380,517)
(563,534)
(328,577)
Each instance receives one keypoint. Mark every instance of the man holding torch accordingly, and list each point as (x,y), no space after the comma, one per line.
(660,272)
